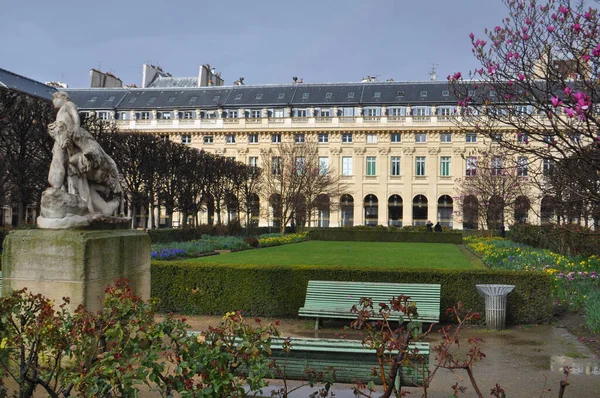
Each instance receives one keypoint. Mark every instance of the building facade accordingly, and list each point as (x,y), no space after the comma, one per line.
(398,146)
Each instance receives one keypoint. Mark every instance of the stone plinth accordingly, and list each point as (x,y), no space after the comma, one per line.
(75,263)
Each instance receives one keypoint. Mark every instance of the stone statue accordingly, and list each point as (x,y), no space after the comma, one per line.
(84,181)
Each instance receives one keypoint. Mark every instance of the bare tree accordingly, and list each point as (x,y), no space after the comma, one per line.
(293,179)
(25,148)
(495,191)
(537,86)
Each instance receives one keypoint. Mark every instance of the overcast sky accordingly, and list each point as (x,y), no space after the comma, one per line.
(265,41)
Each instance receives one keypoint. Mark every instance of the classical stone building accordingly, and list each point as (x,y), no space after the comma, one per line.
(395,144)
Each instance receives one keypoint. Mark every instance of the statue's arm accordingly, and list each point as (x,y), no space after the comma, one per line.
(72,111)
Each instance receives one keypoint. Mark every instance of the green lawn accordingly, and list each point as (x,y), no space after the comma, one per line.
(373,254)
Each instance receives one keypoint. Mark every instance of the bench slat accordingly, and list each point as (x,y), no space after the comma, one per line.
(334,299)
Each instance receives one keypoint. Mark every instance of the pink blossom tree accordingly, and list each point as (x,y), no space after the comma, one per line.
(538,83)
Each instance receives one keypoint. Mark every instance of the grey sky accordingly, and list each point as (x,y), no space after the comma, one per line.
(265,41)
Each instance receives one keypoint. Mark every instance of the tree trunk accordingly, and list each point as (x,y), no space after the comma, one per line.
(133,211)
(150,216)
(21,214)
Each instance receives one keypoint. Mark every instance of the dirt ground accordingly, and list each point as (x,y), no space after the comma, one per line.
(526,360)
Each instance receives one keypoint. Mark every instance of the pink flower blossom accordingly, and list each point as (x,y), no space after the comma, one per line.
(550,28)
(471,36)
(568,91)
(563,10)
(585,57)
(587,15)
(577,27)
(556,102)
(570,112)
(457,76)
(521,77)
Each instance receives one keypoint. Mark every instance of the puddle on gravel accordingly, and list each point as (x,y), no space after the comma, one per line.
(579,366)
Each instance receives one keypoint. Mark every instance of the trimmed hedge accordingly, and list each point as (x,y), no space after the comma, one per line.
(187,234)
(378,235)
(279,291)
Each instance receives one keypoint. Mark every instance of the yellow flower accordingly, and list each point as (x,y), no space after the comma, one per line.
(3,343)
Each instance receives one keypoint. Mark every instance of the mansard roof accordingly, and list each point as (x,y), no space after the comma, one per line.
(262,96)
(25,85)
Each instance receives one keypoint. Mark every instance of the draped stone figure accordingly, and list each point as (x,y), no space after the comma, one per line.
(84,181)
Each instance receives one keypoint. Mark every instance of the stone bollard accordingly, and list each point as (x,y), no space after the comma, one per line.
(495,304)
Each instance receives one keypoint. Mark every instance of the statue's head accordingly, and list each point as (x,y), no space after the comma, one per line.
(60,133)
(59,98)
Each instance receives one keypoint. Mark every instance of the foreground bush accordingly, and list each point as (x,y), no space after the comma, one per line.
(279,291)
(114,352)
(576,279)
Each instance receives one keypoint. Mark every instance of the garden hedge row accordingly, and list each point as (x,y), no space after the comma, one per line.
(187,287)
(377,235)
(187,234)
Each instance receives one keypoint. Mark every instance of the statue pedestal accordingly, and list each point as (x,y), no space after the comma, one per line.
(75,263)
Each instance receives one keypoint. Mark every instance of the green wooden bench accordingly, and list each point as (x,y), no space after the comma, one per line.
(334,299)
(349,358)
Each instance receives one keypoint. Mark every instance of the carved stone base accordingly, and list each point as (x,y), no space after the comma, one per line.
(76,264)
(62,210)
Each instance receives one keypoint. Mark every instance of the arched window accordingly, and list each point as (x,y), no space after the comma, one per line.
(445,210)
(275,216)
(323,206)
(347,208)
(419,210)
(371,204)
(470,212)
(522,206)
(395,211)
(253,210)
(547,210)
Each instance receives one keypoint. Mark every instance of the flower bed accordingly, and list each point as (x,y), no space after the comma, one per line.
(576,279)
(196,248)
(276,239)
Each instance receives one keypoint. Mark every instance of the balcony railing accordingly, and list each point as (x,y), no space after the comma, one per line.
(372,119)
(276,120)
(231,120)
(421,119)
(253,121)
(347,119)
(299,120)
(323,119)
(186,122)
(396,119)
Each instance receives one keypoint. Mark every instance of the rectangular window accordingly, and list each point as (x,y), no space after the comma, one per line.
(323,138)
(395,166)
(398,111)
(445,166)
(123,115)
(230,138)
(549,138)
(253,161)
(253,138)
(323,165)
(255,114)
(420,137)
(144,115)
(103,115)
(276,165)
(471,138)
(420,166)
(497,166)
(275,138)
(300,112)
(471,166)
(300,164)
(372,112)
(421,111)
(547,166)
(346,165)
(522,138)
(371,165)
(446,137)
(208,139)
(278,112)
(164,115)
(347,112)
(444,111)
(347,138)
(497,137)
(186,139)
(522,166)
(395,137)
(371,138)
(299,138)
(186,115)
(325,112)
